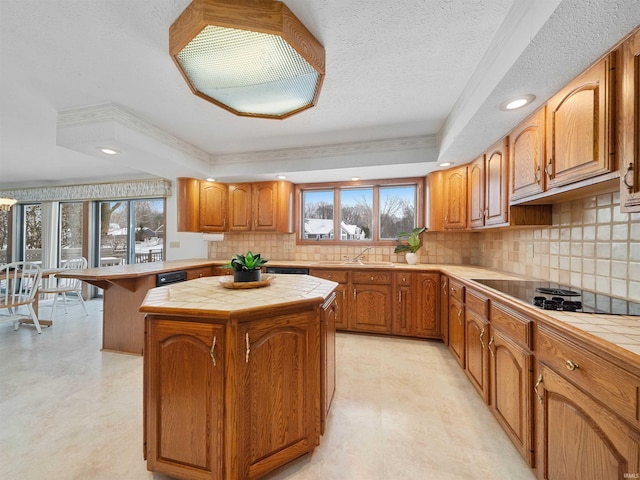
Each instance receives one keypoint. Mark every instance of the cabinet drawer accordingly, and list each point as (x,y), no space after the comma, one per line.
(379,278)
(456,290)
(340,276)
(518,327)
(199,272)
(403,278)
(596,376)
(477,302)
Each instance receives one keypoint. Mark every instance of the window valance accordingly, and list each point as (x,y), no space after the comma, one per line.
(151,188)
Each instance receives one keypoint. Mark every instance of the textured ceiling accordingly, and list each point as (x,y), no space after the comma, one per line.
(407,82)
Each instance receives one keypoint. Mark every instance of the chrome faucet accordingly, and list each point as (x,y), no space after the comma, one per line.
(357,258)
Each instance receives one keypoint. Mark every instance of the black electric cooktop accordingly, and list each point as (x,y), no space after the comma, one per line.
(553,296)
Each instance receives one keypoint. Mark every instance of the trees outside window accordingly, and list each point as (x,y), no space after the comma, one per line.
(370,213)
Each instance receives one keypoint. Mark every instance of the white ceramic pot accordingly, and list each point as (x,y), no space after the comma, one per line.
(412,258)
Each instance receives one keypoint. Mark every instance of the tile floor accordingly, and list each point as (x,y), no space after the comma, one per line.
(403,410)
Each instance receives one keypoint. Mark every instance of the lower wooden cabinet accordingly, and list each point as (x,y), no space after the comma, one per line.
(510,374)
(579,437)
(417,304)
(378,301)
(236,399)
(371,308)
(476,352)
(588,424)
(444,308)
(327,359)
(456,330)
(282,352)
(183,399)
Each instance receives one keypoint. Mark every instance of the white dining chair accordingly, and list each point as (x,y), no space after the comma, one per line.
(19,283)
(67,288)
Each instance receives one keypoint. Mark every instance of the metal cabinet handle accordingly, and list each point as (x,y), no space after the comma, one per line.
(459,318)
(444,287)
(547,169)
(212,351)
(628,184)
(482,338)
(354,293)
(535,389)
(453,290)
(248,345)
(538,175)
(571,366)
(492,350)
(399,296)
(486,213)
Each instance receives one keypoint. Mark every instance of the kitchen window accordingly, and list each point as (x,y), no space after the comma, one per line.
(350,213)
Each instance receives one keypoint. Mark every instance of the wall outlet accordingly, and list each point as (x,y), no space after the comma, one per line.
(530,250)
(289,245)
(174,244)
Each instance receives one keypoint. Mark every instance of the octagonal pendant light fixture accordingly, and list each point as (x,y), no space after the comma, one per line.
(251,57)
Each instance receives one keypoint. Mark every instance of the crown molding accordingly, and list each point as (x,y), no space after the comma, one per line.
(335,150)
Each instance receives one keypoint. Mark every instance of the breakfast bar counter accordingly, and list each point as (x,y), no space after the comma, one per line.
(125,286)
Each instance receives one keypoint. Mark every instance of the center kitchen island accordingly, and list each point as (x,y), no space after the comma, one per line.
(237,382)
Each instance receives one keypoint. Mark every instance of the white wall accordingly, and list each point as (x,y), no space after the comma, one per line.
(190,245)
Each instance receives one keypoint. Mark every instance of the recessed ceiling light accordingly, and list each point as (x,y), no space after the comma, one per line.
(445,164)
(281,177)
(518,102)
(210,179)
(108,151)
(355,179)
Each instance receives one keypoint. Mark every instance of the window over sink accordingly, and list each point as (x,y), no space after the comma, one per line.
(358,212)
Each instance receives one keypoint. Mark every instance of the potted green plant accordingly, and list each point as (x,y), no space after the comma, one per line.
(412,246)
(246,268)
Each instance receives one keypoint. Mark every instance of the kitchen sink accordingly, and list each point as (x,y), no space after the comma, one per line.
(353,264)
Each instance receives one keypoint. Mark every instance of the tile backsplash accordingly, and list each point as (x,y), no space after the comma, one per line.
(590,245)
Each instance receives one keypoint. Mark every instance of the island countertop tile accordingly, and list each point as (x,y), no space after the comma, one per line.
(207,295)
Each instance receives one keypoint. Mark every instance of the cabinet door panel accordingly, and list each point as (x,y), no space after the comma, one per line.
(629,125)
(476,192)
(280,374)
(444,308)
(578,127)
(579,438)
(404,311)
(477,362)
(372,308)
(455,198)
(240,207)
(213,207)
(496,189)
(184,398)
(456,330)
(510,397)
(265,203)
(428,314)
(527,154)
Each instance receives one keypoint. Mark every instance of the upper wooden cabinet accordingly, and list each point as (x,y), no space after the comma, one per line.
(264,206)
(527,154)
(213,207)
(202,206)
(629,124)
(488,181)
(476,193)
(455,199)
(218,207)
(580,126)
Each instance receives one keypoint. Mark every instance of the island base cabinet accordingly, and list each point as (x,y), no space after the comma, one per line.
(184,373)
(578,437)
(278,398)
